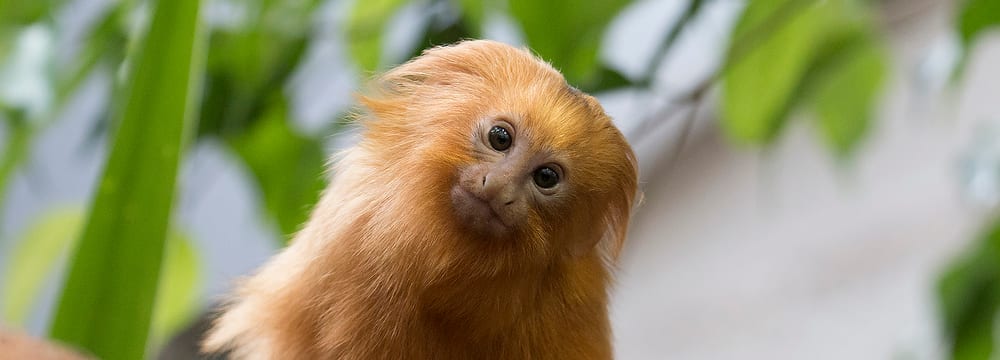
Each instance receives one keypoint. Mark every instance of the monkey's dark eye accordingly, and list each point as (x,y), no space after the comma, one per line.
(546,177)
(499,138)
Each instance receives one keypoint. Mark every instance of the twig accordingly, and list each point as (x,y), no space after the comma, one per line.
(668,42)
(672,107)
(675,152)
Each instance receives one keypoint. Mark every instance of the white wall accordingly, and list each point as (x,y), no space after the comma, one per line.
(788,254)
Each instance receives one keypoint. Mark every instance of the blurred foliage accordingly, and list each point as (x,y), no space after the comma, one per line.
(285,164)
(244,104)
(570,40)
(15,13)
(365,30)
(825,57)
(969,289)
(970,295)
(821,58)
(34,259)
(106,305)
(44,249)
(975,17)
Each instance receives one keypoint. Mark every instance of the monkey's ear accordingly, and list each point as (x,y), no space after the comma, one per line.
(624,198)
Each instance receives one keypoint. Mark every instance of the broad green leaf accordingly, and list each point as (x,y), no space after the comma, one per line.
(44,248)
(969,295)
(107,301)
(789,53)
(287,166)
(17,138)
(473,13)
(23,12)
(567,33)
(365,28)
(104,42)
(232,104)
(443,33)
(179,290)
(759,88)
(976,16)
(32,261)
(846,96)
(6,43)
(608,79)
(251,64)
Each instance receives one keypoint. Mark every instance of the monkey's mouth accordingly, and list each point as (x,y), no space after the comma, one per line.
(477,213)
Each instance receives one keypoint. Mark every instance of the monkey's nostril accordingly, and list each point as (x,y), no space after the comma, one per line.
(508,203)
(484,181)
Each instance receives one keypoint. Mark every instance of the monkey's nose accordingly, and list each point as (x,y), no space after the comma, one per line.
(492,186)
(497,189)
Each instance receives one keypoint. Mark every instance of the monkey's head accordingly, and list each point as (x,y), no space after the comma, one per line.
(507,152)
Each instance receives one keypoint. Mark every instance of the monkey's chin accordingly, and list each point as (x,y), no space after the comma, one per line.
(477,214)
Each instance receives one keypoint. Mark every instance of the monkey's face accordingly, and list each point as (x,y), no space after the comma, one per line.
(503,148)
(510,181)
(544,164)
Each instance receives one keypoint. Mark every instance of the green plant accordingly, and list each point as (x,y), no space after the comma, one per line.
(115,268)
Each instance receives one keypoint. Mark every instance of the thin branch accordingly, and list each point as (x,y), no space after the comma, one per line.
(668,42)
(692,98)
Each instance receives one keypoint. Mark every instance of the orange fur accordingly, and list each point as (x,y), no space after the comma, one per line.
(384,269)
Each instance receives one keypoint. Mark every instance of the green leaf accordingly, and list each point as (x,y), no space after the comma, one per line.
(32,261)
(365,29)
(105,41)
(250,65)
(567,33)
(608,79)
(443,30)
(287,166)
(976,16)
(44,248)
(107,301)
(7,37)
(759,88)
(846,96)
(232,103)
(789,53)
(179,290)
(22,12)
(969,295)
(15,146)
(473,13)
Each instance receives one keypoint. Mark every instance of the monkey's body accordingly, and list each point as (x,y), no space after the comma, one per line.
(397,262)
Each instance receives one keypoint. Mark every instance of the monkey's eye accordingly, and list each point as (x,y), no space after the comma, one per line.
(499,138)
(545,177)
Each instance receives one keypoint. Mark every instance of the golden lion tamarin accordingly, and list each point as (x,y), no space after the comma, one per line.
(477,218)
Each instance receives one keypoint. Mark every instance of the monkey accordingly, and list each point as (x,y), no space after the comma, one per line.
(479,216)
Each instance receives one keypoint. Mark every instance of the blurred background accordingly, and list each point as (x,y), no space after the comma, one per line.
(821,177)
